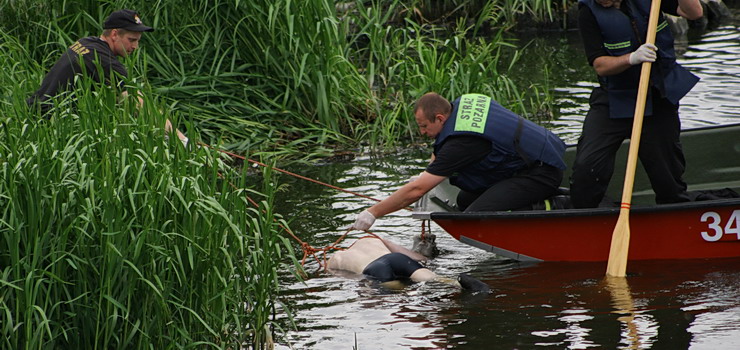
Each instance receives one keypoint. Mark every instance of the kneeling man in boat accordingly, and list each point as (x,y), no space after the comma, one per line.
(499,160)
(391,264)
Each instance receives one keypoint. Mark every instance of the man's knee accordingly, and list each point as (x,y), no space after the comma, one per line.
(465,199)
(587,188)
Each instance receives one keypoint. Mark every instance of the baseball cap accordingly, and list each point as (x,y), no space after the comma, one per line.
(126,19)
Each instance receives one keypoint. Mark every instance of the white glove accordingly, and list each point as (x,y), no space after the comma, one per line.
(644,53)
(364,221)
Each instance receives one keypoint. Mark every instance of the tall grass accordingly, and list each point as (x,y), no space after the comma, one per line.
(505,13)
(113,237)
(288,76)
(405,62)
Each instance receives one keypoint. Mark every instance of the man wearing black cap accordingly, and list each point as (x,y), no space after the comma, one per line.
(122,32)
(121,35)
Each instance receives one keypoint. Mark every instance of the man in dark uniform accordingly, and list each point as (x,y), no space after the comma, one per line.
(613,33)
(122,32)
(499,160)
(121,36)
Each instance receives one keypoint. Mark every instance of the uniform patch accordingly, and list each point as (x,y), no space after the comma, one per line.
(79,49)
(472,113)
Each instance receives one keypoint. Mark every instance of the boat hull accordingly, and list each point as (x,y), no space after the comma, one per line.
(695,230)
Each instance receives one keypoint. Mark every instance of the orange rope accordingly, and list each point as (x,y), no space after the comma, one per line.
(307,248)
(289,173)
(423,229)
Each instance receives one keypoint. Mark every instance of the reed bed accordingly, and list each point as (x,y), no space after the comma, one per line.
(302,77)
(507,13)
(113,237)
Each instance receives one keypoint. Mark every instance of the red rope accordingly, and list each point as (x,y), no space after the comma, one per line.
(289,173)
(307,248)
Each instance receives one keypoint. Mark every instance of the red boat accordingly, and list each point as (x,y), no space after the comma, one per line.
(693,230)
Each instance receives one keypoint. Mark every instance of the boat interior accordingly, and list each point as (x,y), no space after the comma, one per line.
(712,163)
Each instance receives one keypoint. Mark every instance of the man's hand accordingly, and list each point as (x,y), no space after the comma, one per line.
(645,53)
(168,129)
(139,98)
(364,220)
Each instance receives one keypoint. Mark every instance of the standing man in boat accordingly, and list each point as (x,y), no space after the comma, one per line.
(122,32)
(499,160)
(613,33)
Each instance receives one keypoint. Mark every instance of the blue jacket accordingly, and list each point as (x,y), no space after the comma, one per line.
(516,142)
(669,78)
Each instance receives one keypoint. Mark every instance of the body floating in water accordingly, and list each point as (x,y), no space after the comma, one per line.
(390,263)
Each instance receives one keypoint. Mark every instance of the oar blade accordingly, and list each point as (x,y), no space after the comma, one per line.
(617,265)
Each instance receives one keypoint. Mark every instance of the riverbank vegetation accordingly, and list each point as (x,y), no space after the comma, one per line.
(301,77)
(114,236)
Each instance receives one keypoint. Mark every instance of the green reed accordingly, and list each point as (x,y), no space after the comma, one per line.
(292,77)
(113,237)
(498,12)
(405,62)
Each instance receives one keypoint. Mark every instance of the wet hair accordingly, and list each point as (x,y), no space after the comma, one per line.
(121,31)
(432,104)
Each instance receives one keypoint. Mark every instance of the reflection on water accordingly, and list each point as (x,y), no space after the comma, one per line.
(662,305)
(716,60)
(624,306)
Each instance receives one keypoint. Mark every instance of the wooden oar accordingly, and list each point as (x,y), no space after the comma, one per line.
(617,265)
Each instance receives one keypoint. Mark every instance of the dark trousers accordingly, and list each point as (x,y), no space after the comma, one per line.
(660,153)
(392,267)
(534,184)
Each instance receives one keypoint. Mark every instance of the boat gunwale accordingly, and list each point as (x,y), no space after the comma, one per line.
(560,213)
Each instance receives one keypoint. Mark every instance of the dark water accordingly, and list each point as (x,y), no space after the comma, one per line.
(664,305)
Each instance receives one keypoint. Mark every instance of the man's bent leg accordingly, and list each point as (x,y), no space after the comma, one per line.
(465,198)
(535,184)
